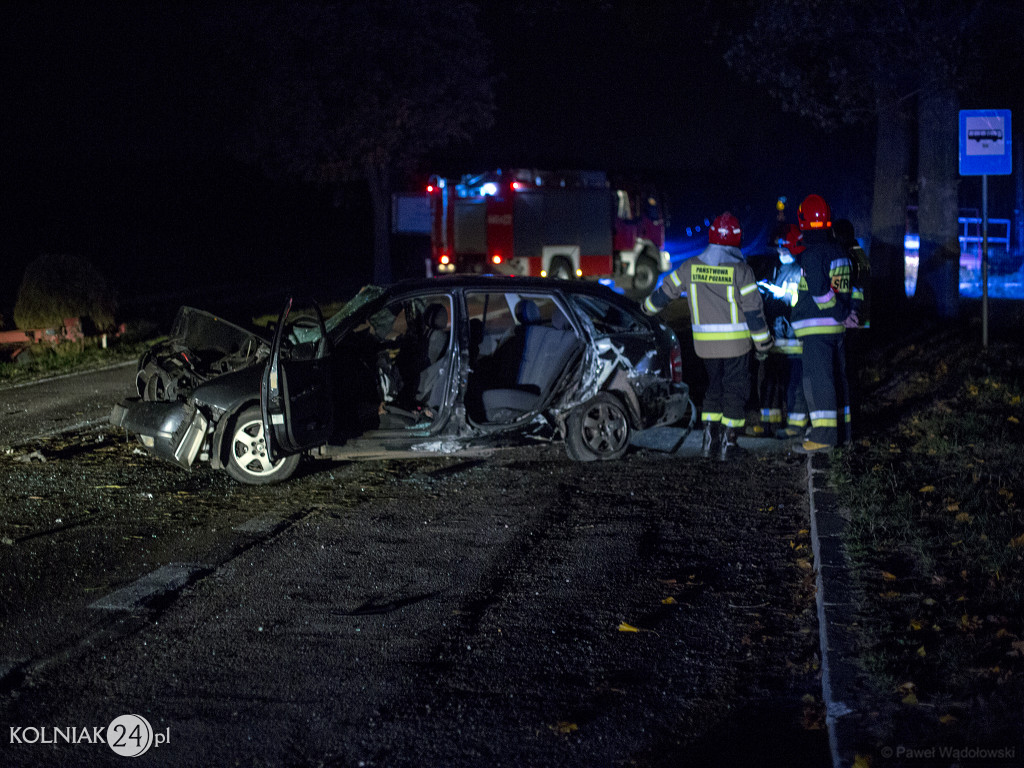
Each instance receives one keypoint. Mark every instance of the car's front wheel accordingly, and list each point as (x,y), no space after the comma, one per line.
(598,430)
(248,460)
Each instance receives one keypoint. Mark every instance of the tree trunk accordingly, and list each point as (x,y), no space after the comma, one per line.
(378,181)
(889,213)
(938,276)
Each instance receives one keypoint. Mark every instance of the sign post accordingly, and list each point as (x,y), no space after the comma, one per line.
(985,146)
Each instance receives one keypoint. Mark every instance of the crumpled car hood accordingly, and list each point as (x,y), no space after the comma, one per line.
(201,346)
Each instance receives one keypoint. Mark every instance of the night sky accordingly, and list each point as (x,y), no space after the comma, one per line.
(114,143)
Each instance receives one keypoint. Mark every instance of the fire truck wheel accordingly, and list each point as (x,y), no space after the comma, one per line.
(598,430)
(561,269)
(645,274)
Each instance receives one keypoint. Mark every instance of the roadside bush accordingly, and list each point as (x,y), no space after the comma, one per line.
(58,286)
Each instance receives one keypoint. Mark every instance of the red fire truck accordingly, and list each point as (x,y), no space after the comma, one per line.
(552,224)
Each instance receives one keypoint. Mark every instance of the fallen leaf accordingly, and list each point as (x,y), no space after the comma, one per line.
(963,517)
(564,727)
(921,652)
(1017,542)
(953,506)
(888,595)
(927,489)
(861,761)
(669,601)
(888,576)
(915,624)
(107,486)
(1013,419)
(624,627)
(910,699)
(947,719)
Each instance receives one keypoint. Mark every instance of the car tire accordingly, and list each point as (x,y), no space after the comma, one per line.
(645,274)
(247,460)
(598,430)
(561,269)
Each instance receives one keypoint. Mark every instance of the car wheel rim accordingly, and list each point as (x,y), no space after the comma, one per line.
(249,450)
(605,429)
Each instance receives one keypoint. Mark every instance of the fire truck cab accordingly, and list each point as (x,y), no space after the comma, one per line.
(567,224)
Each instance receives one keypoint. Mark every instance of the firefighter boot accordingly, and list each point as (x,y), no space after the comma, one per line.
(709,442)
(729,449)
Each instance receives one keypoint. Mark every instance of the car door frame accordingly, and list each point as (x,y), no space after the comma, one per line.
(278,401)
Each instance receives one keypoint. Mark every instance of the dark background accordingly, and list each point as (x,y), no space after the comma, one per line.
(115,137)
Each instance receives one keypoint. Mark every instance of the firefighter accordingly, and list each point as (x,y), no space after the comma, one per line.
(783,406)
(820,317)
(860,271)
(726,315)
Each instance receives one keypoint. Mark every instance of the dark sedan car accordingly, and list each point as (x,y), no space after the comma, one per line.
(422,366)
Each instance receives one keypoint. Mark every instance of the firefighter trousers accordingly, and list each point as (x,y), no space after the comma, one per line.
(826,388)
(796,403)
(772,388)
(728,388)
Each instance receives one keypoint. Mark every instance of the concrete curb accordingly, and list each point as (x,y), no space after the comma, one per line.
(840,678)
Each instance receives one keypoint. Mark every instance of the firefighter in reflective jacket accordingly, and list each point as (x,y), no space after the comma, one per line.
(820,318)
(726,315)
(783,386)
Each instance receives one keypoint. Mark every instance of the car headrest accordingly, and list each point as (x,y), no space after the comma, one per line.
(527,312)
(559,321)
(436,317)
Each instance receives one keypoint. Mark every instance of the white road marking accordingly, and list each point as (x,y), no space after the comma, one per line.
(167,578)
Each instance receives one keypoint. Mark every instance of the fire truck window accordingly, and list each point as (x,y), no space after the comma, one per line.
(653,211)
(625,211)
(606,317)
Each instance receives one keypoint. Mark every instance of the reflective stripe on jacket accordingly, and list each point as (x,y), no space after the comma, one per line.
(725,306)
(824,298)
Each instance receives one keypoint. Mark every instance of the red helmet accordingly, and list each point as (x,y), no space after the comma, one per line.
(791,240)
(725,230)
(814,213)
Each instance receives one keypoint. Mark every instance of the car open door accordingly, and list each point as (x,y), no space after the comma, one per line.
(295,395)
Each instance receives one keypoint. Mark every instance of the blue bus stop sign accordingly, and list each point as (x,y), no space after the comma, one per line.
(985,142)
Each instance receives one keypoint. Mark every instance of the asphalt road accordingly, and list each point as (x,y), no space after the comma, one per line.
(515,610)
(62,403)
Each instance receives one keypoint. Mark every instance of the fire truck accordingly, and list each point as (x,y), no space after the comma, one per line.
(567,224)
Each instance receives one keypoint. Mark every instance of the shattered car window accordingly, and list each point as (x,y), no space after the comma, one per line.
(366,294)
(606,317)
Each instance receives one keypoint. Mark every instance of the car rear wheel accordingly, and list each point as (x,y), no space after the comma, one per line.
(598,430)
(248,460)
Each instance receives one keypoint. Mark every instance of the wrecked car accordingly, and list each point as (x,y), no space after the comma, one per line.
(425,366)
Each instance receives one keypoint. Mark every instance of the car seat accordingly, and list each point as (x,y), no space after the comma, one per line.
(544,353)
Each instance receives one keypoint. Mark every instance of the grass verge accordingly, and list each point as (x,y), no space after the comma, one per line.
(934,486)
(71,357)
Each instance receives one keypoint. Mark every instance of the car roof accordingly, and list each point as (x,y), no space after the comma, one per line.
(506,283)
